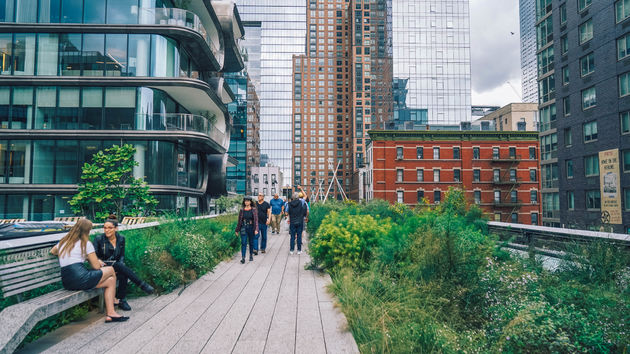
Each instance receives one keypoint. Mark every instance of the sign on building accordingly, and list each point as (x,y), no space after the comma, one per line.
(609,186)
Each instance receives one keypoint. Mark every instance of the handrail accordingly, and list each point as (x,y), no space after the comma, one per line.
(559,233)
(181,122)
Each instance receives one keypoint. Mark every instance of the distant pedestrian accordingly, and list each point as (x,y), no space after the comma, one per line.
(276,213)
(247,227)
(264,218)
(298,214)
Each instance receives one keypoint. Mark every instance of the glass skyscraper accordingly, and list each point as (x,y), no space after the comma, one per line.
(78,76)
(280,29)
(431,43)
(529,73)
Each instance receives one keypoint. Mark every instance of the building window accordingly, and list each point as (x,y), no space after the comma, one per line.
(496,175)
(565,75)
(547,89)
(265,179)
(399,153)
(399,196)
(591,166)
(265,191)
(622,10)
(532,153)
(456,155)
(590,131)
(512,152)
(568,137)
(436,175)
(514,197)
(583,4)
(399,175)
(625,122)
(532,175)
(549,144)
(626,198)
(420,196)
(626,160)
(495,153)
(569,167)
(563,14)
(476,153)
(477,195)
(593,200)
(514,218)
(570,200)
(587,64)
(547,115)
(476,175)
(513,175)
(564,45)
(437,197)
(420,175)
(586,31)
(624,84)
(534,218)
(566,103)
(255,191)
(497,196)
(545,61)
(589,98)
(544,31)
(497,216)
(533,197)
(457,175)
(436,153)
(419,153)
(623,47)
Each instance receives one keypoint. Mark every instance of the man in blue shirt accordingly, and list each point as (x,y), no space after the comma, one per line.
(276,213)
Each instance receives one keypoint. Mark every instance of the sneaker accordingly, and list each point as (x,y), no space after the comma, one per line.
(263,251)
(290,252)
(123,305)
(255,252)
(242,260)
(251,258)
(147,288)
(299,252)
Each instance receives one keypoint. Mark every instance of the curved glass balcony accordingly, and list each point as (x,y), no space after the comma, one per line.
(178,17)
(181,122)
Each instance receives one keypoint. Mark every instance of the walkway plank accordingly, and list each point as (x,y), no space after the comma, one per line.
(271,305)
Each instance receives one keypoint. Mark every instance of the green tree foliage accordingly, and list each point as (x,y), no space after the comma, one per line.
(108,186)
(225,203)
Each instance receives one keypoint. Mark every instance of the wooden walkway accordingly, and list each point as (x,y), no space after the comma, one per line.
(270,305)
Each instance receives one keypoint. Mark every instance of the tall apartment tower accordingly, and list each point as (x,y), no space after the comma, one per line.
(529,72)
(79,76)
(276,30)
(431,51)
(585,112)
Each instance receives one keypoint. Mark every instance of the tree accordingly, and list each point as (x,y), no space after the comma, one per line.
(108,186)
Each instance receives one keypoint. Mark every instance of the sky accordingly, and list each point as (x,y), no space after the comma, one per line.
(495,52)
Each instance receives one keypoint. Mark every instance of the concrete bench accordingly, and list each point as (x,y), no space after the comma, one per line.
(69,218)
(128,220)
(23,269)
(11,221)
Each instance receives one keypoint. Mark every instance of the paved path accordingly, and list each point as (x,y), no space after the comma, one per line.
(270,305)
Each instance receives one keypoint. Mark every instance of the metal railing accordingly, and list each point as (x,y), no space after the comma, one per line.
(181,122)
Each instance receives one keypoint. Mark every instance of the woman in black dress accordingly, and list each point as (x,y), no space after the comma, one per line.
(247,227)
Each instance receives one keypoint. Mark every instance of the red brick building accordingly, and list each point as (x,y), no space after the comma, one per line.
(499,171)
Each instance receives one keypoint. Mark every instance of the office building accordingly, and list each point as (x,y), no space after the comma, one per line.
(245,137)
(431,55)
(276,30)
(529,71)
(585,112)
(514,117)
(499,171)
(266,180)
(80,76)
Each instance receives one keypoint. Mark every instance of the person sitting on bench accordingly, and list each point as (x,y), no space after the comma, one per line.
(73,250)
(110,249)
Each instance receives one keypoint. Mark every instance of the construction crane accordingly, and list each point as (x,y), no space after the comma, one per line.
(520,97)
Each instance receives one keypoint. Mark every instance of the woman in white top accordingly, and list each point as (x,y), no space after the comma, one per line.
(73,250)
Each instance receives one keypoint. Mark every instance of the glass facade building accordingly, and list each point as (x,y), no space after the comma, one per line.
(431,50)
(142,72)
(529,73)
(279,33)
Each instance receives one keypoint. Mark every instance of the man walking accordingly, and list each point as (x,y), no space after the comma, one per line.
(276,213)
(264,217)
(298,214)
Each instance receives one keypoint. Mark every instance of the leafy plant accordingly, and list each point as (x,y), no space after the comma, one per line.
(226,203)
(108,185)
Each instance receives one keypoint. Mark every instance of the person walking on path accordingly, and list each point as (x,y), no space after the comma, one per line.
(110,250)
(73,250)
(264,218)
(298,214)
(247,227)
(276,213)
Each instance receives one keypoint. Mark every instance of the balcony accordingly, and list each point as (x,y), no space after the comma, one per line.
(507,204)
(506,181)
(498,158)
(182,122)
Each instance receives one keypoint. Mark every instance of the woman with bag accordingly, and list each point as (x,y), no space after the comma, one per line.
(73,250)
(247,227)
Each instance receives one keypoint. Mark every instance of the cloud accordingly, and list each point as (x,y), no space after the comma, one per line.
(495,52)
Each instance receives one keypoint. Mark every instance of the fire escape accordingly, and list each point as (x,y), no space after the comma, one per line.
(507,181)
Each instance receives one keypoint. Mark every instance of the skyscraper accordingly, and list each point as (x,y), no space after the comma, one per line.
(431,42)
(279,32)
(585,113)
(529,72)
(80,76)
